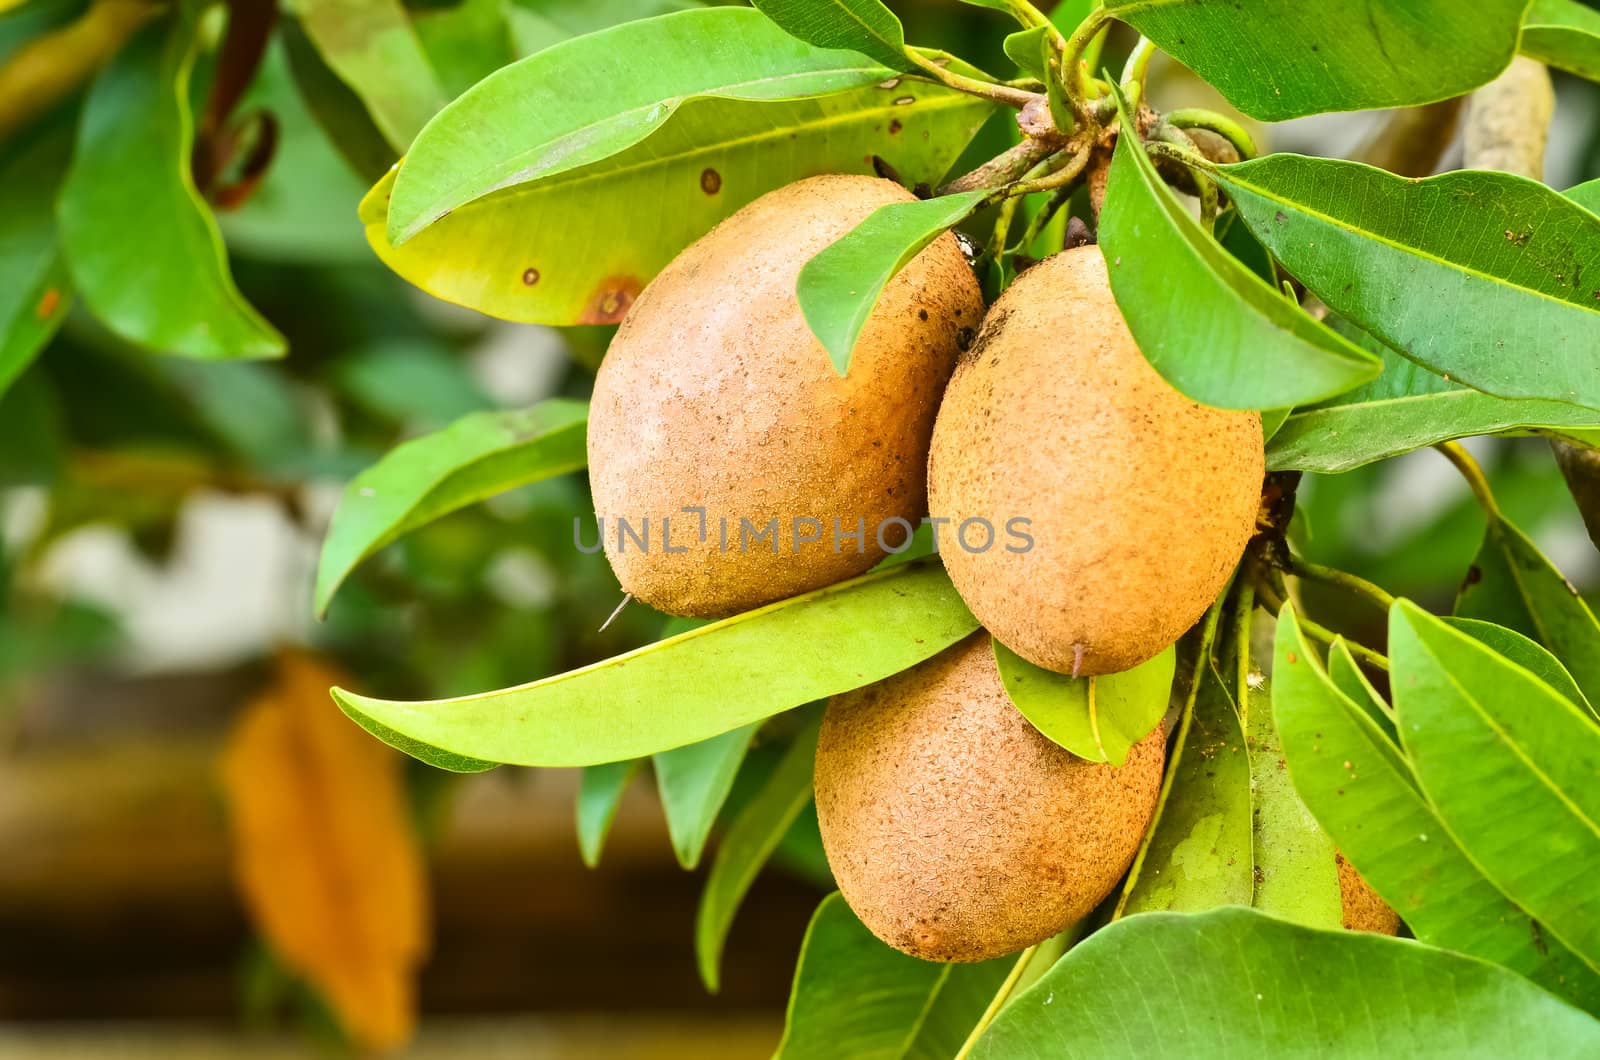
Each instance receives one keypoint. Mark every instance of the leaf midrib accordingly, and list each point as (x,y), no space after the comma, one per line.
(1511,745)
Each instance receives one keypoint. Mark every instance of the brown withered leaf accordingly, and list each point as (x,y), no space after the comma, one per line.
(325,855)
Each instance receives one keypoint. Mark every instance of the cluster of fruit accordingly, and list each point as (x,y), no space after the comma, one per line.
(954,829)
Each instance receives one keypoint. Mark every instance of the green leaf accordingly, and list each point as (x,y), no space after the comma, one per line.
(840,284)
(372,47)
(589,98)
(1277,59)
(1348,773)
(1346,675)
(1513,584)
(562,252)
(1526,653)
(344,120)
(1199,854)
(694,781)
(1510,765)
(1208,324)
(1297,876)
(695,685)
(537,24)
(1096,718)
(1564,34)
(143,248)
(1488,279)
(1406,408)
(752,837)
(599,795)
(1026,48)
(1233,983)
(476,457)
(35,292)
(855,996)
(466,43)
(864,26)
(1586,195)
(1355,431)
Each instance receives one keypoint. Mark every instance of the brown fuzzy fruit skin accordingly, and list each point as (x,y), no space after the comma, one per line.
(1364,909)
(715,394)
(954,829)
(1141,500)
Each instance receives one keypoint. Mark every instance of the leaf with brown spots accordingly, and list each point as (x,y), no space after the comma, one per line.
(576,247)
(324,853)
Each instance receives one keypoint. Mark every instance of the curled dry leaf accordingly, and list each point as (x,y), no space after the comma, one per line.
(325,856)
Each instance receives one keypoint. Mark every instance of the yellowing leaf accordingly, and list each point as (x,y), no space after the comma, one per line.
(324,853)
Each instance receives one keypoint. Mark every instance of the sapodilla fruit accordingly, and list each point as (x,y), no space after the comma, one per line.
(1363,909)
(954,829)
(1139,501)
(715,395)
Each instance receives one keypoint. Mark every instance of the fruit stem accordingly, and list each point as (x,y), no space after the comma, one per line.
(1327,636)
(1029,16)
(1227,128)
(1136,70)
(1470,470)
(1043,216)
(1244,609)
(1174,144)
(1073,70)
(1064,173)
(998,1001)
(1002,169)
(993,91)
(1304,568)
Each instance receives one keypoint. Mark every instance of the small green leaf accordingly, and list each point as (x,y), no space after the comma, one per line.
(35,292)
(1297,876)
(1512,583)
(1096,718)
(1277,59)
(1211,327)
(1026,48)
(1489,279)
(143,248)
(840,284)
(1349,774)
(599,795)
(692,686)
(560,251)
(1199,855)
(589,98)
(1509,764)
(1563,34)
(864,26)
(752,837)
(694,781)
(1526,653)
(855,996)
(1346,675)
(476,457)
(1235,983)
(371,46)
